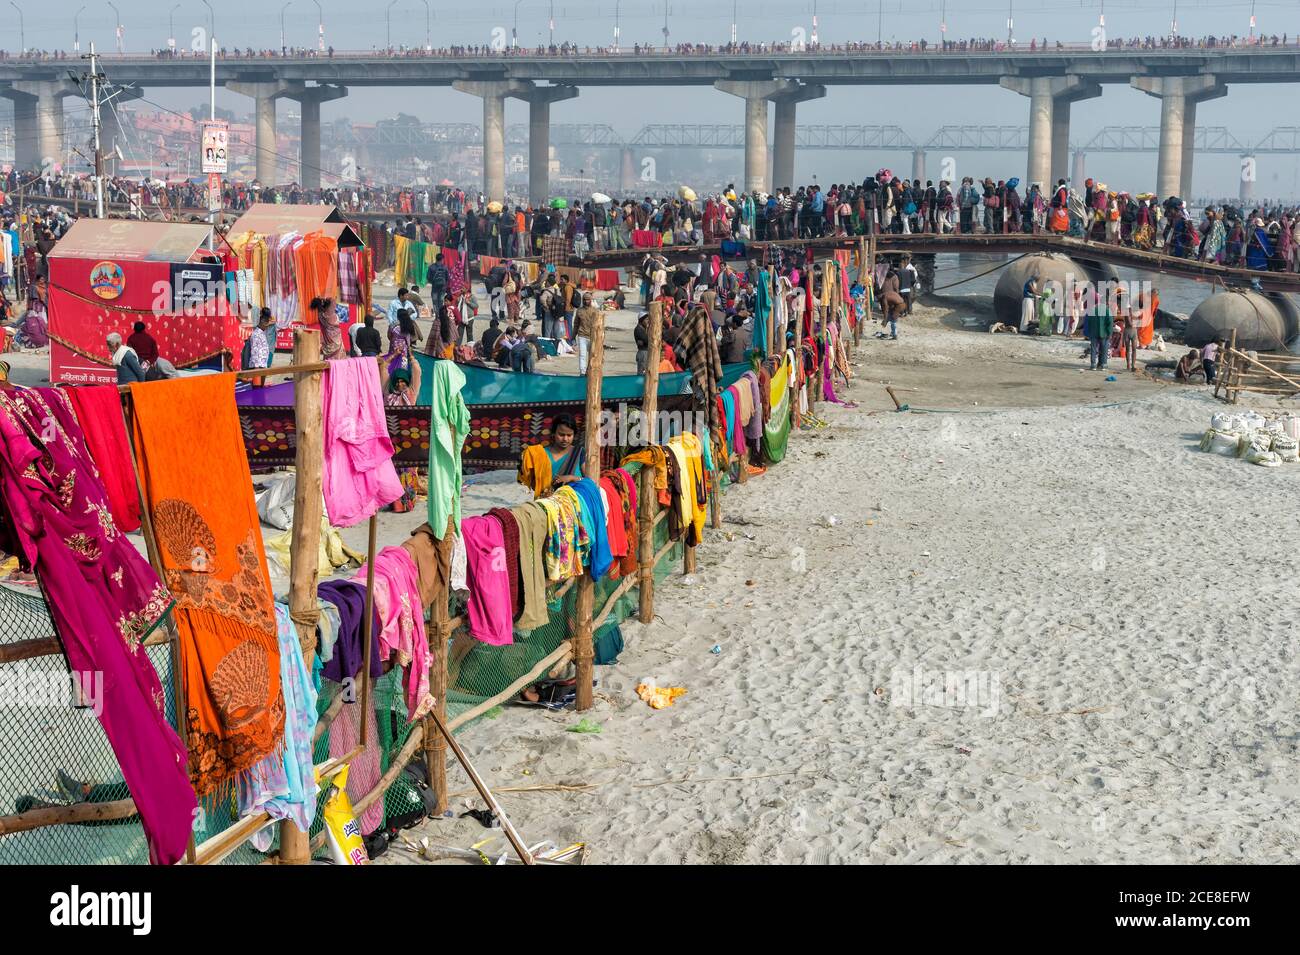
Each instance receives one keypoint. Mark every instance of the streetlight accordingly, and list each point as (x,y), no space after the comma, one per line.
(514,30)
(22,29)
(118,19)
(943,23)
(665,25)
(283,48)
(388,17)
(733,22)
(617,32)
(320,26)
(1173,24)
(1252,19)
(212,22)
(76,31)
(1011,22)
(428,43)
(552,22)
(814,32)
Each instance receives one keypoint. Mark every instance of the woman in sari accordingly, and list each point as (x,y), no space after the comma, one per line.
(331,334)
(401,340)
(1215,238)
(403,389)
(1144,231)
(544,467)
(510,288)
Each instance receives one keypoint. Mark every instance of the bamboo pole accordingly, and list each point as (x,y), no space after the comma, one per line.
(304,545)
(506,826)
(582,644)
(395,767)
(563,652)
(1267,371)
(648,499)
(1235,370)
(67,815)
(435,748)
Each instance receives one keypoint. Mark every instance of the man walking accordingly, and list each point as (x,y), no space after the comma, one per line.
(438,277)
(587,318)
(1097,326)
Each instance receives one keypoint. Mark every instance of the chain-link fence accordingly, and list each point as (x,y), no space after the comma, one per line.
(58,755)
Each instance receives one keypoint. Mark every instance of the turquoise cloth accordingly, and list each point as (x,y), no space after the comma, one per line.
(762,309)
(593,519)
(448,427)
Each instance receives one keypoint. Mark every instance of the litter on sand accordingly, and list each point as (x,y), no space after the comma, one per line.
(659,696)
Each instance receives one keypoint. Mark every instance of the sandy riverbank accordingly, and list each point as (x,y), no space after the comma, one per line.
(1129,678)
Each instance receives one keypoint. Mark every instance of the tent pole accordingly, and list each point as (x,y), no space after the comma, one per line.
(304,546)
(648,499)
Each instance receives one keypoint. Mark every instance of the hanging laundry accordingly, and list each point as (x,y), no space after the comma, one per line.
(283,785)
(349,599)
(530,519)
(397,600)
(99,411)
(593,518)
(103,598)
(190,457)
(510,549)
(359,478)
(489,609)
(448,428)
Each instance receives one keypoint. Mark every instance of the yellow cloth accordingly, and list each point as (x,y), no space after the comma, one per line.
(659,696)
(652,457)
(332,554)
(690,459)
(535,470)
(779,382)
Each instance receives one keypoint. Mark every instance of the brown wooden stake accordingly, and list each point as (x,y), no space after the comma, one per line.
(648,498)
(582,644)
(367,631)
(520,849)
(304,544)
(435,747)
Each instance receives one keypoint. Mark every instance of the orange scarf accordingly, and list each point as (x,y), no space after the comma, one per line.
(197,488)
(317,263)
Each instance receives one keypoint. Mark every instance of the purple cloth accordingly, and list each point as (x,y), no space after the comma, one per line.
(280,396)
(754,430)
(350,598)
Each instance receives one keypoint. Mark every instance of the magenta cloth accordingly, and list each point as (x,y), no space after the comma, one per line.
(359,478)
(489,584)
(103,597)
(401,617)
(739,444)
(828,383)
(631,488)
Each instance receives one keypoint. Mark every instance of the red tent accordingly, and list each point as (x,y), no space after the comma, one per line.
(108,274)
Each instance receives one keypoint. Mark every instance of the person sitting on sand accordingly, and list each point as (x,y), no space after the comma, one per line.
(558,461)
(1188,365)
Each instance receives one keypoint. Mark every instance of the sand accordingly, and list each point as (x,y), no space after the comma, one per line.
(1128,675)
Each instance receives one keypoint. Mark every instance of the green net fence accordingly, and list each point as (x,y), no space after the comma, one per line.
(48,747)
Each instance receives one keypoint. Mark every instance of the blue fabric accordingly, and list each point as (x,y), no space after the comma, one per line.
(593,519)
(728,409)
(1259,251)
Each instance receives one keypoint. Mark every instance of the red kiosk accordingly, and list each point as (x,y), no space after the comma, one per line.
(108,274)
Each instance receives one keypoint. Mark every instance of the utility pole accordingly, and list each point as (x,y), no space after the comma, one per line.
(99,153)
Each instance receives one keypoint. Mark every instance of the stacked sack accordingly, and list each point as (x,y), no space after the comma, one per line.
(1268,442)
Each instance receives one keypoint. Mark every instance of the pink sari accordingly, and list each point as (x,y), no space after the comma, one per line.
(103,597)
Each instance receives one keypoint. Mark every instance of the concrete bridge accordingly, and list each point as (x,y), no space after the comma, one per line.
(1051,79)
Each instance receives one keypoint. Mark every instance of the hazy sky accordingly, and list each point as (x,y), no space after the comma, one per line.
(1247,111)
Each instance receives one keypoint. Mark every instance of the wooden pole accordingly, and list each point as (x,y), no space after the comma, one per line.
(582,644)
(435,747)
(648,499)
(368,631)
(304,545)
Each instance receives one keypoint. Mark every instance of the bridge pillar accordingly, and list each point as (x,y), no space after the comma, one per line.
(493,93)
(1246,189)
(1047,134)
(918,164)
(755,93)
(787,103)
(309,99)
(111,132)
(539,100)
(38,120)
(627,172)
(1077,174)
(264,97)
(1178,97)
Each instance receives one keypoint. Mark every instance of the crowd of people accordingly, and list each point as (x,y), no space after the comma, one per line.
(740,48)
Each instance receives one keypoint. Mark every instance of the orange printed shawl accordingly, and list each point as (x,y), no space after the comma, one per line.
(198,491)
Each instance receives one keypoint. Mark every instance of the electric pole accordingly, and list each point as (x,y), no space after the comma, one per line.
(99,154)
